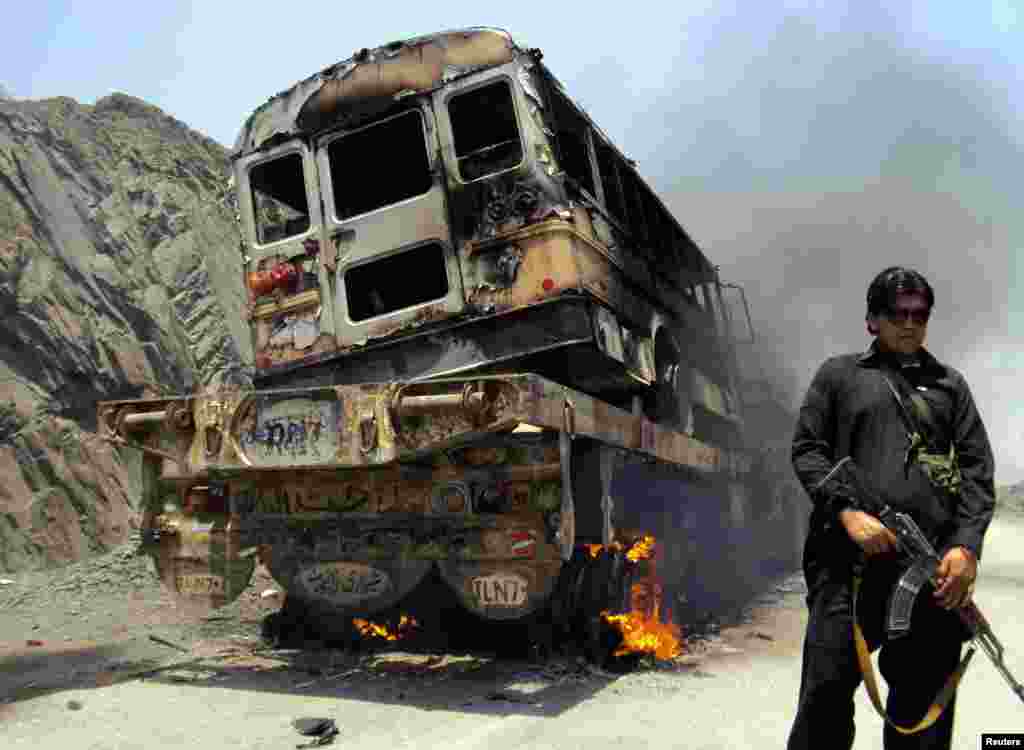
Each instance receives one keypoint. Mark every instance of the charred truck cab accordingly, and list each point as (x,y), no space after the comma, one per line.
(482,343)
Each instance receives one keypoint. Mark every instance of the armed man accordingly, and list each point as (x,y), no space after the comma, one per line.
(907,427)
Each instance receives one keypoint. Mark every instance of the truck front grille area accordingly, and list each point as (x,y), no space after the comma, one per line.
(406,279)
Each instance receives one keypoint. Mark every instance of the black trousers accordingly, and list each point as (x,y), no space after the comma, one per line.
(915,666)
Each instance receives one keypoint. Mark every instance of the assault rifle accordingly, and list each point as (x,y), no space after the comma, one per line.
(923,563)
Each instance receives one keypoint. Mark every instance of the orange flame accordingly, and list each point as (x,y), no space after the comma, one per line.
(595,549)
(369,629)
(642,628)
(642,549)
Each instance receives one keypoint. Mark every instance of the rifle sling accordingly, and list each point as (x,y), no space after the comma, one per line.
(867,670)
(919,415)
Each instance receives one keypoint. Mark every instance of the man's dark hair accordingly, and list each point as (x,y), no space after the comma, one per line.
(896,280)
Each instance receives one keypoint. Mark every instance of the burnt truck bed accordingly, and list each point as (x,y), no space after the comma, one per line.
(560,339)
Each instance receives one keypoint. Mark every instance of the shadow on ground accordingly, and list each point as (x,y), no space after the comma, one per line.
(458,663)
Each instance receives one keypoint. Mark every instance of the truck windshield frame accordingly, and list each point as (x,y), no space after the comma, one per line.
(280,199)
(485,130)
(360,184)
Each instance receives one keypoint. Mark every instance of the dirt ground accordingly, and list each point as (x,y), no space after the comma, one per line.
(98,679)
(107,619)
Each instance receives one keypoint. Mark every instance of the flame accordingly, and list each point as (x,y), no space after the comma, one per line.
(642,628)
(369,629)
(595,549)
(642,549)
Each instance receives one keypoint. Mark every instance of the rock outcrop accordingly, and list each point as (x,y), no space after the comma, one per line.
(120,277)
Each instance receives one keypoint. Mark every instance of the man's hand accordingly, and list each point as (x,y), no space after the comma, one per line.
(868,532)
(956,575)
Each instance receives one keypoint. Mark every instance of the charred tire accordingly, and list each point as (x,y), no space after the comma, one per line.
(299,624)
(587,587)
(612,576)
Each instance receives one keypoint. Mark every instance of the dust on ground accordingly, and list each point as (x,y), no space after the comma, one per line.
(107,620)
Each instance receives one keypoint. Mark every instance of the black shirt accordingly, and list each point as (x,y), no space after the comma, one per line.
(849,410)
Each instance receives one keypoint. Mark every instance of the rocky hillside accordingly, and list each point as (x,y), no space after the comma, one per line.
(120,276)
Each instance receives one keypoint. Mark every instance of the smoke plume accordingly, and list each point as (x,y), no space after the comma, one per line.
(824,153)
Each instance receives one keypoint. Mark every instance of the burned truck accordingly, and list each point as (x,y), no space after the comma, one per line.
(484,350)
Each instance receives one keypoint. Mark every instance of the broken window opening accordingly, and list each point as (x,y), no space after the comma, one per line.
(665,260)
(485,132)
(379,166)
(613,200)
(571,137)
(413,277)
(280,206)
(634,206)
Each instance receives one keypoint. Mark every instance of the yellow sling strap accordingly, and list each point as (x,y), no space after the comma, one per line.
(868,672)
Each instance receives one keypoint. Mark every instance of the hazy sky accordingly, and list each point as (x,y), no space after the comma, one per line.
(804,147)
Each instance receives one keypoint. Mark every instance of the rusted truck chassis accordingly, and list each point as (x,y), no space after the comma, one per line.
(358,491)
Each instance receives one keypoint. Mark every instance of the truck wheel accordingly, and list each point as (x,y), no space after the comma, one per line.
(616,576)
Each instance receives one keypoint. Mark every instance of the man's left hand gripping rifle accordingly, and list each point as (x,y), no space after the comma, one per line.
(922,563)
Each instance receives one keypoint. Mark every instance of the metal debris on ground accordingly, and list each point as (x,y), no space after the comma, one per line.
(409,665)
(324,730)
(511,698)
(162,642)
(5,581)
(328,678)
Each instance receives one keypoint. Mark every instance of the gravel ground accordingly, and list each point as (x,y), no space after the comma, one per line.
(108,618)
(217,685)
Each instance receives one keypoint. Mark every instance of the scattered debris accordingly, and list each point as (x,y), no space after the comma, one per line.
(328,678)
(144,673)
(74,705)
(33,642)
(762,636)
(268,593)
(499,695)
(324,730)
(405,665)
(6,581)
(162,642)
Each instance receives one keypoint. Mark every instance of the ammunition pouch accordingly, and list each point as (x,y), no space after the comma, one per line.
(942,469)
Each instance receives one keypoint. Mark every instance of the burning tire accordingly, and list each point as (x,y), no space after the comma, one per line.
(607,581)
(607,604)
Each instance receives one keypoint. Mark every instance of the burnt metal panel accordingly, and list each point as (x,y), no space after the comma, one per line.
(476,344)
(370,79)
(384,231)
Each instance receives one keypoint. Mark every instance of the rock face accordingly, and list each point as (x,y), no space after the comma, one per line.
(120,277)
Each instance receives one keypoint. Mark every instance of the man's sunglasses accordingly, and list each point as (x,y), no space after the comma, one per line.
(920,317)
